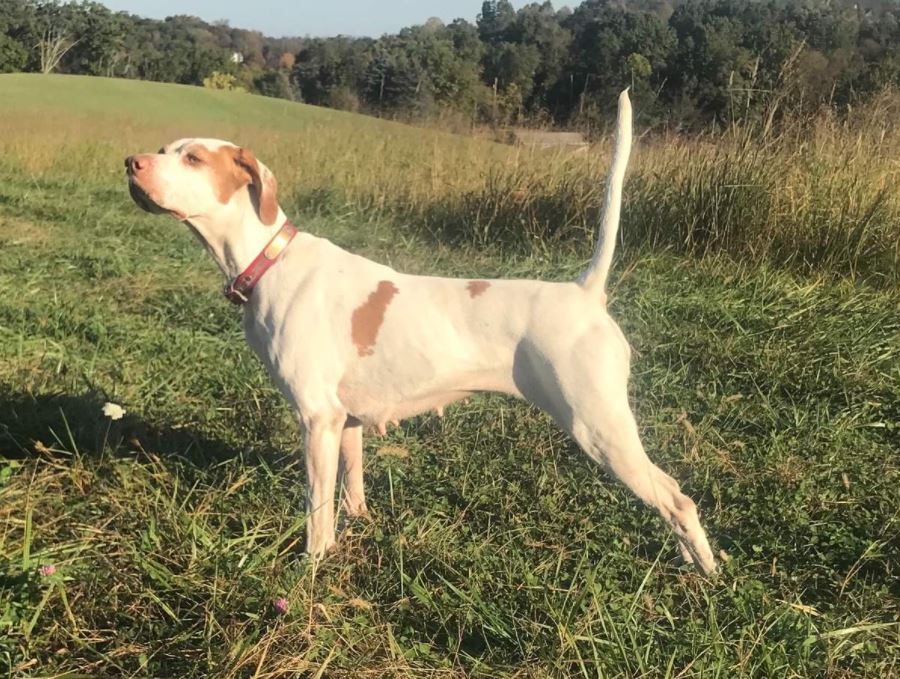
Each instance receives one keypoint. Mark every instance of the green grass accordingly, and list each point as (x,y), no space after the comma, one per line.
(495,547)
(819,197)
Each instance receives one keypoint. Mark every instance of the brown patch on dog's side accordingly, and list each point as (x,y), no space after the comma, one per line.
(367,318)
(476,288)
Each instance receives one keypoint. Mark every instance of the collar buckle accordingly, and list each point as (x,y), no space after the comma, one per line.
(235,296)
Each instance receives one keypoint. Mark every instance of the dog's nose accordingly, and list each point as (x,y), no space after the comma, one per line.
(135,164)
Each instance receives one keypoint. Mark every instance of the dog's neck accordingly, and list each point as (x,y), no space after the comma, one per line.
(235,244)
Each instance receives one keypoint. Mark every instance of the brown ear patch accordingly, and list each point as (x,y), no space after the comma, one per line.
(367,318)
(227,175)
(477,288)
(263,186)
(232,169)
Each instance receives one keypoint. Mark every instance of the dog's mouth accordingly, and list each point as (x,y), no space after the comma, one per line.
(143,200)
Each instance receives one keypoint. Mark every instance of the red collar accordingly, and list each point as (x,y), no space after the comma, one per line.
(238,291)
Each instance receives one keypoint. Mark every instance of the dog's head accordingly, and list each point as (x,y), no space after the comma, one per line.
(203,180)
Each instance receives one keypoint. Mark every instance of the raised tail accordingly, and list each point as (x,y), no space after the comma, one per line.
(594,279)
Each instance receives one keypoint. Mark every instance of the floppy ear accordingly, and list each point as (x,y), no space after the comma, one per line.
(263,186)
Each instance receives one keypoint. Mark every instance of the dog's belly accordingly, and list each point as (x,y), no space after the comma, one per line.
(378,397)
(378,409)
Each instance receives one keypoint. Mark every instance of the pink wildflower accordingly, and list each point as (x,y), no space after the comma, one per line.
(47,570)
(280,605)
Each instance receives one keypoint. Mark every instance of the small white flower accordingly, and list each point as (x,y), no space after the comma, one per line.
(113,411)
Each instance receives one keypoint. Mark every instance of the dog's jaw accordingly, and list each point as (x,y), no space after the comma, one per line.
(143,200)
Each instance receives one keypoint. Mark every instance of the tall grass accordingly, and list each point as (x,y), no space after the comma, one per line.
(495,548)
(816,196)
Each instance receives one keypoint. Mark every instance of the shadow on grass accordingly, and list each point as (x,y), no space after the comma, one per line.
(34,425)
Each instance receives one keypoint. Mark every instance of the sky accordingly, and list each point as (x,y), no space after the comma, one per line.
(310,17)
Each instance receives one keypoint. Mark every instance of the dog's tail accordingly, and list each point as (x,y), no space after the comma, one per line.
(594,279)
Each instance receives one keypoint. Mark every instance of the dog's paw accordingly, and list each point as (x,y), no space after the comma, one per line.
(356,510)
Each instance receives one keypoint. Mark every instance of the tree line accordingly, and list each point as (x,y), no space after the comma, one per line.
(688,62)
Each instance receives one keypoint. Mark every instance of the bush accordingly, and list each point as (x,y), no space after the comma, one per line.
(274,84)
(343,99)
(222,81)
(13,56)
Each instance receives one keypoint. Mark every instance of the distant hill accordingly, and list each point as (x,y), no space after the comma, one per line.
(154,103)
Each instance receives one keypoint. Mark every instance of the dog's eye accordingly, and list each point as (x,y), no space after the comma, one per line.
(192,159)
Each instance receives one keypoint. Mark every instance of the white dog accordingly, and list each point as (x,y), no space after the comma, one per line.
(350,342)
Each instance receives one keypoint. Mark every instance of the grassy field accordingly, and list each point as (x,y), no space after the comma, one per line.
(767,384)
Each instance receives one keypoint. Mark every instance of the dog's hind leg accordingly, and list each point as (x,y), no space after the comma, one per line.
(611,438)
(587,391)
(352,468)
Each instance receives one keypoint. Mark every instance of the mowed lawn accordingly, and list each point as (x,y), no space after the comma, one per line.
(495,548)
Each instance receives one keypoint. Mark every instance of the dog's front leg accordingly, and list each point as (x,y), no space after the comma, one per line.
(323,435)
(352,463)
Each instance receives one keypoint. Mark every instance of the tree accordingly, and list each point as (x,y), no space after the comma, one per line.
(443,74)
(326,64)
(52,47)
(495,18)
(249,44)
(537,26)
(393,81)
(686,60)
(18,36)
(466,43)
(513,64)
(100,39)
(287,61)
(608,44)
(13,56)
